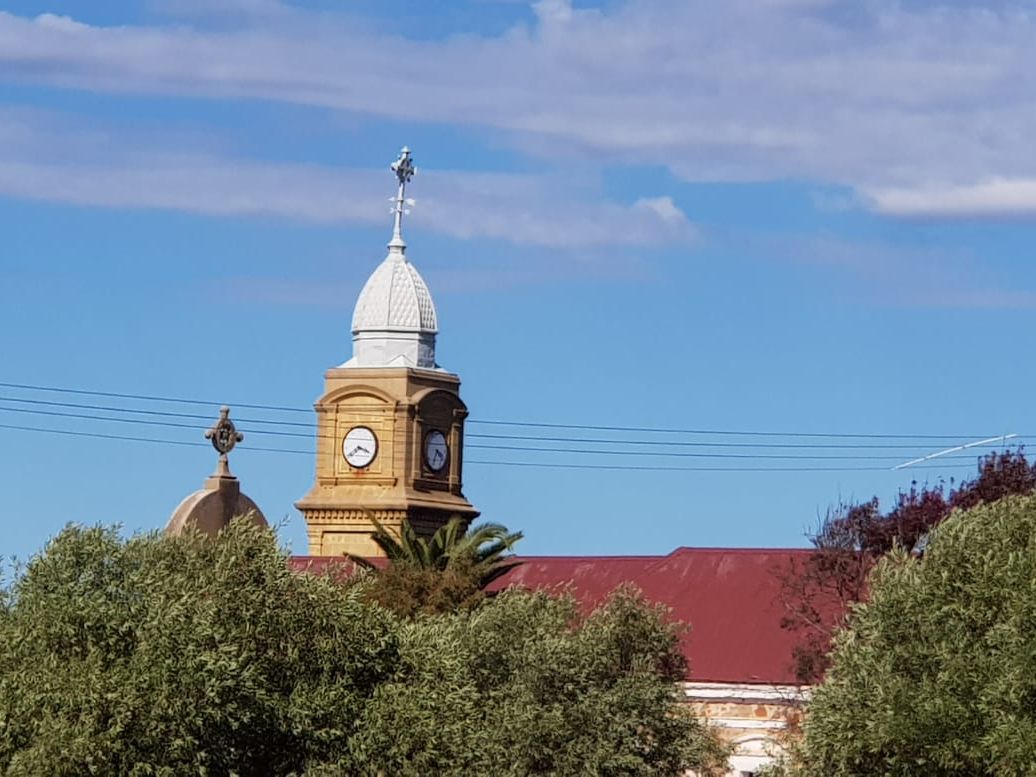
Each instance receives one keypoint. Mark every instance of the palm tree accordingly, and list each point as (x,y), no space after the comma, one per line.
(484,547)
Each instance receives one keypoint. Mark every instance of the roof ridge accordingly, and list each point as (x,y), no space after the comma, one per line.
(712,549)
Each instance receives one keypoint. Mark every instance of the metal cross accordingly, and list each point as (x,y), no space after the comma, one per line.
(404,170)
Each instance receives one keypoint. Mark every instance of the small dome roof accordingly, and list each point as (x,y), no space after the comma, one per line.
(395,298)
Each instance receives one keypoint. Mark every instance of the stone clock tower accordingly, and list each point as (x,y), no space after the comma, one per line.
(390,424)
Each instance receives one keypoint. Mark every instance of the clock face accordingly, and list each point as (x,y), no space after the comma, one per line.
(360,446)
(435,451)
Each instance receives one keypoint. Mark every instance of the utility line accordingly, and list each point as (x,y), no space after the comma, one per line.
(473,435)
(683,454)
(545,465)
(137,411)
(721,432)
(144,422)
(148,398)
(129,438)
(524,449)
(619,467)
(99,435)
(470,435)
(525,424)
(699,444)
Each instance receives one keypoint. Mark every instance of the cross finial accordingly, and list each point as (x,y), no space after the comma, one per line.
(404,169)
(224,436)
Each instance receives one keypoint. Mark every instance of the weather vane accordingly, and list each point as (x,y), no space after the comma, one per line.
(404,170)
(224,436)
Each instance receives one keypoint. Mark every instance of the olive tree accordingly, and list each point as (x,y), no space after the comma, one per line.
(168,656)
(526,685)
(936,673)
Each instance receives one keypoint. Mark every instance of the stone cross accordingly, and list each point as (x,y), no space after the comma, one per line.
(224,436)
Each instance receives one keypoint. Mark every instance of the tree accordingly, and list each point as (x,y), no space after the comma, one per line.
(163,656)
(181,655)
(526,685)
(444,573)
(817,591)
(936,673)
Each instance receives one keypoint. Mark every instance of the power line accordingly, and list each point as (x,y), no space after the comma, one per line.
(138,411)
(524,449)
(475,435)
(521,424)
(684,454)
(141,421)
(85,416)
(619,467)
(148,398)
(527,438)
(130,438)
(700,444)
(728,432)
(99,435)
(545,465)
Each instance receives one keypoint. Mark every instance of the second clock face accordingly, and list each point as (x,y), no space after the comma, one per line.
(359,447)
(435,451)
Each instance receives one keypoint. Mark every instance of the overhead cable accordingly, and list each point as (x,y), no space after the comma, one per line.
(520,424)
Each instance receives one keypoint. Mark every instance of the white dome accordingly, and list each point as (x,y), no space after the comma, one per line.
(395,298)
(394,323)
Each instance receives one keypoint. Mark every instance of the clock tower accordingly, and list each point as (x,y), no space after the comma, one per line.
(390,424)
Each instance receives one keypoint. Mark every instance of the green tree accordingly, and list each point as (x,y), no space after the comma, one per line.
(936,673)
(525,685)
(166,656)
(181,655)
(443,573)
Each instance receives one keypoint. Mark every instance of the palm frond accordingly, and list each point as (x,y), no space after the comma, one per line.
(483,547)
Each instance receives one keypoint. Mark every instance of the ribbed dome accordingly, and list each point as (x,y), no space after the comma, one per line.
(395,298)
(394,322)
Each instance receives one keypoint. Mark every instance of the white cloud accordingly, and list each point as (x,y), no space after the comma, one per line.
(60,23)
(876,96)
(996,197)
(664,208)
(553,11)
(42,157)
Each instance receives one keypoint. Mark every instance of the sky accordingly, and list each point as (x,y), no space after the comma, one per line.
(779,222)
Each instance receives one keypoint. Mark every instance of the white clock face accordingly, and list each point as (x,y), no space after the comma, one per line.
(435,451)
(360,446)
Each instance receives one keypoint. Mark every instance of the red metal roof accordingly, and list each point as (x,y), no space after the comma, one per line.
(731,599)
(590,578)
(729,596)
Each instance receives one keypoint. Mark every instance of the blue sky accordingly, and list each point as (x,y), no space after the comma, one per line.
(806,216)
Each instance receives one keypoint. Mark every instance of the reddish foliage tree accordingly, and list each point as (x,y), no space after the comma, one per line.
(817,591)
(998,475)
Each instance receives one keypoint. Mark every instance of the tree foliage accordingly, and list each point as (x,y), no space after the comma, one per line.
(193,656)
(817,590)
(524,685)
(936,673)
(180,656)
(444,573)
